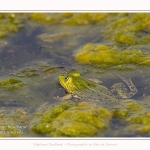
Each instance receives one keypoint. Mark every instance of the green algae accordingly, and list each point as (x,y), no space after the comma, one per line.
(9,23)
(104,56)
(135,115)
(69,18)
(43,18)
(126,108)
(139,123)
(86,19)
(11,84)
(9,81)
(124,28)
(128,28)
(72,119)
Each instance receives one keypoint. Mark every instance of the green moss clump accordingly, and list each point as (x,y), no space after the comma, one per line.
(86,19)
(127,38)
(71,119)
(139,122)
(126,109)
(96,54)
(44,18)
(9,23)
(103,56)
(9,81)
(136,115)
(132,106)
(142,117)
(70,18)
(120,113)
(128,28)
(139,128)
(11,84)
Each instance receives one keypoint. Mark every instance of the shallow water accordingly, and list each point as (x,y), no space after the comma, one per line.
(38,53)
